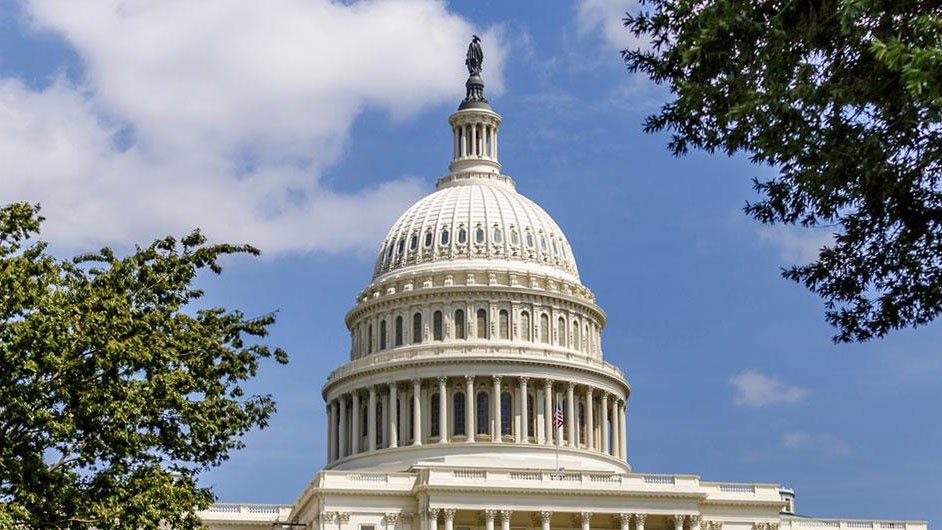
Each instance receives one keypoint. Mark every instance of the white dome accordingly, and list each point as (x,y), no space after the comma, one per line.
(477,220)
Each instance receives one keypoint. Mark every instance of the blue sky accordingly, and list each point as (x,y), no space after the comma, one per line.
(306,127)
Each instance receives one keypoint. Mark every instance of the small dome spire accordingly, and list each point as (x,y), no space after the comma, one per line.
(475,124)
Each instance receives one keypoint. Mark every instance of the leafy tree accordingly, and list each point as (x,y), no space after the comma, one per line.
(841,100)
(114,393)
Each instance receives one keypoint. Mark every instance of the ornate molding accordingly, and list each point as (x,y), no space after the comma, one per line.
(505,516)
(678,519)
(344,517)
(545,516)
(639,519)
(449,514)
(489,515)
(391,518)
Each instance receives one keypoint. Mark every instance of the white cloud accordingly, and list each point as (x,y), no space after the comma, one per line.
(223,114)
(825,444)
(755,390)
(606,18)
(796,245)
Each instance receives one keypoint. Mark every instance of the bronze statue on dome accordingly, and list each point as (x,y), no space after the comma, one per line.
(475,57)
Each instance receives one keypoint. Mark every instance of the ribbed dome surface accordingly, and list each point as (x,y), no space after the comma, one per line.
(479,220)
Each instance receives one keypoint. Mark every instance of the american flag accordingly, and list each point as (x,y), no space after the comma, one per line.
(558,416)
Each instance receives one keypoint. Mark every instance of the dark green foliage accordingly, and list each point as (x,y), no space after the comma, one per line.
(842,99)
(114,395)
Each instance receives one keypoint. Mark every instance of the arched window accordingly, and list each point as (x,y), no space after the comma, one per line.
(498,236)
(479,235)
(543,242)
(506,413)
(434,419)
(525,329)
(437,326)
(416,328)
(428,239)
(575,335)
(382,334)
(444,239)
(582,423)
(514,238)
(401,246)
(561,328)
(555,249)
(482,414)
(399,330)
(379,424)
(389,251)
(529,239)
(586,337)
(462,235)
(482,324)
(411,405)
(460,324)
(365,421)
(414,242)
(531,426)
(544,328)
(458,405)
(503,322)
(369,338)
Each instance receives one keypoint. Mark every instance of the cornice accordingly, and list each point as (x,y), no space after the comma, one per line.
(499,358)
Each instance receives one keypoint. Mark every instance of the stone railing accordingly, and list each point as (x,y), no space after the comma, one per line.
(854,523)
(246,512)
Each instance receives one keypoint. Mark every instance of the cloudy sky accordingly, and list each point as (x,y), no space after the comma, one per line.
(305,127)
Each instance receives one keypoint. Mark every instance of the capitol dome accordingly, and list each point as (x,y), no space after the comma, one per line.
(471,222)
(475,338)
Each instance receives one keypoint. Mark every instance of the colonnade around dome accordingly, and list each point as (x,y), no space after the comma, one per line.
(465,409)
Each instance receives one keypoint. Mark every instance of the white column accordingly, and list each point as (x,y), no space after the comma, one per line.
(622,431)
(505,519)
(417,411)
(625,520)
(545,518)
(639,520)
(371,421)
(393,414)
(442,409)
(342,437)
(495,432)
(604,418)
(469,424)
(589,421)
(548,409)
(524,413)
(355,428)
(457,136)
(694,522)
(614,412)
(679,522)
(433,519)
(586,519)
(464,141)
(570,414)
(449,515)
(489,519)
(330,432)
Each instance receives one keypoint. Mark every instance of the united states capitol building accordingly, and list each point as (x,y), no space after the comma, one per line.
(477,396)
